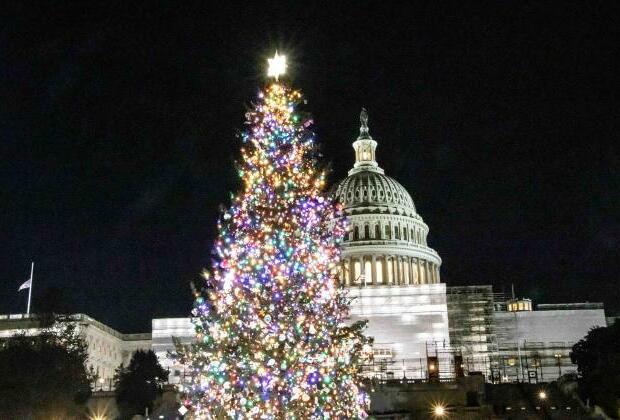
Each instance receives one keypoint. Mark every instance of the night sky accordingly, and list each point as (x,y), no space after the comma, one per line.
(118,138)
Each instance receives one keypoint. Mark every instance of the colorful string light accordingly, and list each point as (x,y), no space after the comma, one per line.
(272,337)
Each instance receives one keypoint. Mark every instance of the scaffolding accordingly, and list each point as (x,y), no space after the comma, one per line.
(472,326)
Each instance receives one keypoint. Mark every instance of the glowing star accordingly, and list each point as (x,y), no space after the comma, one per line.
(277,65)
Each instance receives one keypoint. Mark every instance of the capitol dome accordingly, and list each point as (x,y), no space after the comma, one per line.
(374,189)
(386,245)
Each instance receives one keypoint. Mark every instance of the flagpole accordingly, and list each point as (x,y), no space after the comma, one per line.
(30,288)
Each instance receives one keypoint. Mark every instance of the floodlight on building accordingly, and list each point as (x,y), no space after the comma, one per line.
(542,395)
(519,305)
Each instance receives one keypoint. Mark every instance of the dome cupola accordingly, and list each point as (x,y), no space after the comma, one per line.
(365,148)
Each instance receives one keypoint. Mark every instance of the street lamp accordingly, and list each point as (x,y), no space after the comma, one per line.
(542,396)
(439,410)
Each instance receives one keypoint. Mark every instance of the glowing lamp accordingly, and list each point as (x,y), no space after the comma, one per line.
(439,410)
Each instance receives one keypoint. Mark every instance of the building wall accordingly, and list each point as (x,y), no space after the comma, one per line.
(107,348)
(163,331)
(535,346)
(548,326)
(405,322)
(105,352)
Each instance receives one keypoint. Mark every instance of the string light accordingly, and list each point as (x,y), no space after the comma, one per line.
(272,337)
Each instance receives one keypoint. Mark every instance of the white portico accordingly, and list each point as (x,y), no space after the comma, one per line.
(386,262)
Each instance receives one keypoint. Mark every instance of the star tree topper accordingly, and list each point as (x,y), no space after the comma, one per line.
(277,65)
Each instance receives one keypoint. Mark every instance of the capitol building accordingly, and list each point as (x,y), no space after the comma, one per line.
(421,329)
(391,272)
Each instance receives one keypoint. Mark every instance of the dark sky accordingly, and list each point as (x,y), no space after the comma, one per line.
(118,125)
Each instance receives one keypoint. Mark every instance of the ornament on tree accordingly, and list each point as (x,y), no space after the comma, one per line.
(273,342)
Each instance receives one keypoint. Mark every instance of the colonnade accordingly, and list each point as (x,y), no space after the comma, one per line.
(395,270)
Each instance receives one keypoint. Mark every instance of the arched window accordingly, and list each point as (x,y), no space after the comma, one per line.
(377,231)
(356,233)
(405,233)
(388,232)
(411,235)
(366,232)
(396,232)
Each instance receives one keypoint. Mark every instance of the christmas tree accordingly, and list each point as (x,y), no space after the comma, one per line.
(272,337)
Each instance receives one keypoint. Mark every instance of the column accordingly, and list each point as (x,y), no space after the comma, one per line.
(395,269)
(406,270)
(351,273)
(438,279)
(411,280)
(385,269)
(373,268)
(361,261)
(419,269)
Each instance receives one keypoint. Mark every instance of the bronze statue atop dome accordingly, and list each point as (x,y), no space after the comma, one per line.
(364,118)
(364,125)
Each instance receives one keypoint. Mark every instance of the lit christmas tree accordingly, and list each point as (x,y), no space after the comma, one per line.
(272,337)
